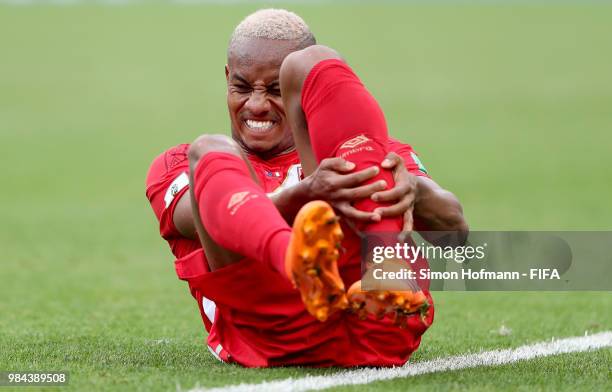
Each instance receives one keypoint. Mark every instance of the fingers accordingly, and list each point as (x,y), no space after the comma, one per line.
(408,225)
(357,178)
(393,194)
(360,192)
(391,160)
(397,209)
(351,212)
(337,164)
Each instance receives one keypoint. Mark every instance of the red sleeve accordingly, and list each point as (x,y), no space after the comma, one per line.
(167,181)
(412,160)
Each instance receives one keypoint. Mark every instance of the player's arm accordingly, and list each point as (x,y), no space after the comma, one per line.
(439,210)
(288,202)
(333,181)
(416,197)
(167,188)
(421,199)
(183,217)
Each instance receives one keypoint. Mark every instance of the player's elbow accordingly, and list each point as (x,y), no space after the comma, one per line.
(440,210)
(443,221)
(451,217)
(456,223)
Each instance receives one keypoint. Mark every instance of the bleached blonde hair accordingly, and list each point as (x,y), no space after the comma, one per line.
(274,24)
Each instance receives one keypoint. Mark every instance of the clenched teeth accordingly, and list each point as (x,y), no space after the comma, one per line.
(259,125)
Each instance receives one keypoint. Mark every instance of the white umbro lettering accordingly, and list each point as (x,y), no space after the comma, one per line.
(238,199)
(354,142)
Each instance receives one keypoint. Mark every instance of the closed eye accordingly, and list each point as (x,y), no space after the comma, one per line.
(242,88)
(274,91)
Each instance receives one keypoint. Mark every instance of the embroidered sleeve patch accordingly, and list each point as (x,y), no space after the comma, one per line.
(416,160)
(179,183)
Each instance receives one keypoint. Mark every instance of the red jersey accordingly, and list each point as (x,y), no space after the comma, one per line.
(168,180)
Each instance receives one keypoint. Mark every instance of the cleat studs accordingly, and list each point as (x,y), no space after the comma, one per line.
(322,314)
(332,220)
(305,255)
(343,302)
(314,254)
(338,233)
(323,246)
(309,231)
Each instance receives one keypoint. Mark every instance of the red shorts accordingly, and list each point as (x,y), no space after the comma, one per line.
(256,319)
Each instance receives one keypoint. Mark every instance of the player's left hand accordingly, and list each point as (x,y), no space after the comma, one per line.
(403,194)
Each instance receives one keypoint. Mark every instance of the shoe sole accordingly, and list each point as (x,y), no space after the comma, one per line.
(379,303)
(311,261)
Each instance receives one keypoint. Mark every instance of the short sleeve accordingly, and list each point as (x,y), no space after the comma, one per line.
(167,181)
(411,159)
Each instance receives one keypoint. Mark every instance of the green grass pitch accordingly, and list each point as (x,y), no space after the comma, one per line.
(509,106)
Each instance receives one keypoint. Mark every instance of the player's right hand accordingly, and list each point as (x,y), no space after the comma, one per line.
(335,182)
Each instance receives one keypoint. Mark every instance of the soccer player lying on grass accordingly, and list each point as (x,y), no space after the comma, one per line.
(245,259)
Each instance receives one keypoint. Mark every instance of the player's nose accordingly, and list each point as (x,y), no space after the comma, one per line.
(257,103)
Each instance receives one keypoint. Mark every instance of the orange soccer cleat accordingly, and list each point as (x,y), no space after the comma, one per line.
(311,260)
(379,303)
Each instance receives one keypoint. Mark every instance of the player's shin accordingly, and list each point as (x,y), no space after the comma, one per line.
(344,120)
(236,212)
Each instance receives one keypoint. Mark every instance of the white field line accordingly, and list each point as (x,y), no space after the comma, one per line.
(485,358)
(267,2)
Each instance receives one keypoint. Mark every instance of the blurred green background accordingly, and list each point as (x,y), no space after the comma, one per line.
(509,106)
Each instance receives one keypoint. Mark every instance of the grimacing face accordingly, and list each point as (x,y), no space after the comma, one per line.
(257,115)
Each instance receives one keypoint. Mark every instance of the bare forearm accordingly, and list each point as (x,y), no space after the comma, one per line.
(335,182)
(289,201)
(438,210)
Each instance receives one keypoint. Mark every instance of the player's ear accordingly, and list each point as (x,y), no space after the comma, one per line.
(226,73)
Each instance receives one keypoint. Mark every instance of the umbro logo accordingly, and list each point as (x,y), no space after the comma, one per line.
(354,142)
(238,199)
